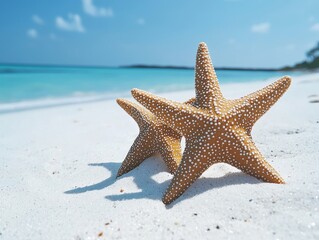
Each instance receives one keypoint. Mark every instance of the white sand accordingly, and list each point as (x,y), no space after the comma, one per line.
(58,168)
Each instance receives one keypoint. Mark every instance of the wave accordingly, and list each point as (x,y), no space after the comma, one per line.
(76,98)
(87,97)
(80,97)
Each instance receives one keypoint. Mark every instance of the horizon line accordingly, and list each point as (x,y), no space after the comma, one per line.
(145,66)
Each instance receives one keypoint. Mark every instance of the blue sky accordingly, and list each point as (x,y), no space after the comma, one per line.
(240,33)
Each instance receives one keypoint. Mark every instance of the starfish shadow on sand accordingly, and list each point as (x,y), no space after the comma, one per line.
(110,166)
(204,184)
(143,177)
(151,189)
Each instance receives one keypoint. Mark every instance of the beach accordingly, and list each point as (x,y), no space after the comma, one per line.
(58,166)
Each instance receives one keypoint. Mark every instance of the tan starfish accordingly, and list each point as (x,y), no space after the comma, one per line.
(154,137)
(216,129)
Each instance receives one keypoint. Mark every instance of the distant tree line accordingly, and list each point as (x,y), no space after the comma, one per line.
(313,53)
(312,61)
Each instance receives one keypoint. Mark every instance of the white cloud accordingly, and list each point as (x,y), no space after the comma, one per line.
(74,24)
(141,21)
(37,20)
(92,10)
(260,28)
(315,27)
(32,33)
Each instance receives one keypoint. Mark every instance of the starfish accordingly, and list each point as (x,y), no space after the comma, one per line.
(216,129)
(154,137)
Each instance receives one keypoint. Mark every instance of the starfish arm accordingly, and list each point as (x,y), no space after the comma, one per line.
(193,164)
(141,115)
(251,107)
(208,94)
(244,155)
(181,117)
(171,153)
(141,149)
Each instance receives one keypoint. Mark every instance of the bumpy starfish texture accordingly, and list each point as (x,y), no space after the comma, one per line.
(216,129)
(154,137)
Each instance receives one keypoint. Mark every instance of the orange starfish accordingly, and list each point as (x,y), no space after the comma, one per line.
(154,137)
(216,129)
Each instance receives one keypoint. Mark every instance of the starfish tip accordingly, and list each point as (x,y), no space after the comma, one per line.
(138,94)
(287,79)
(135,92)
(120,101)
(119,174)
(165,201)
(281,181)
(285,82)
(202,44)
(134,89)
(125,104)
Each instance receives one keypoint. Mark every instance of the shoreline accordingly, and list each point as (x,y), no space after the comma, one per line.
(145,66)
(58,167)
(49,102)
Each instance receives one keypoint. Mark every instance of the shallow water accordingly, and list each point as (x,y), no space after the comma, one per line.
(28,85)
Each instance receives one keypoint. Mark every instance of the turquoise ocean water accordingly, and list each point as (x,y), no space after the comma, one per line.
(29,86)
